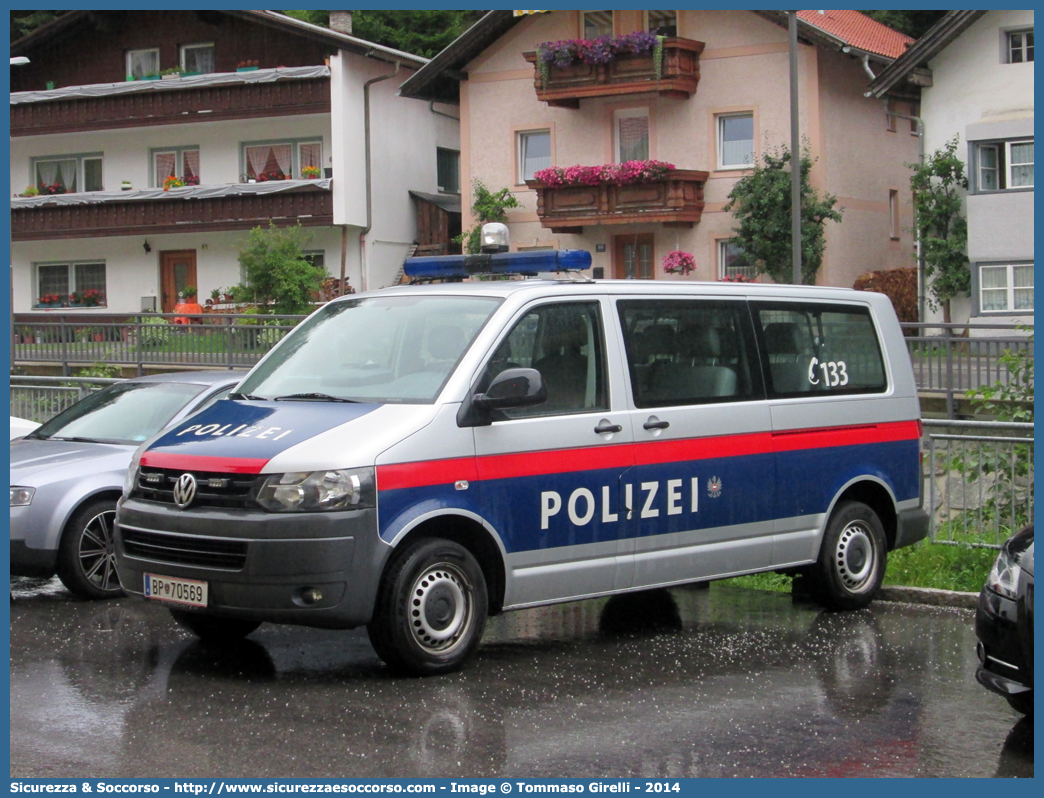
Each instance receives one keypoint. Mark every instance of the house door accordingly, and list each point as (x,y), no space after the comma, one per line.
(633,257)
(177,270)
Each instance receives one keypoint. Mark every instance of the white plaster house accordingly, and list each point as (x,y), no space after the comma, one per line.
(272,97)
(974,70)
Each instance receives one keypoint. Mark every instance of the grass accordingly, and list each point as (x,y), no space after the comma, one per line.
(925,564)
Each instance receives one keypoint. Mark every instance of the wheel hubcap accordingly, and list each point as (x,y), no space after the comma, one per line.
(98,552)
(854,558)
(440,607)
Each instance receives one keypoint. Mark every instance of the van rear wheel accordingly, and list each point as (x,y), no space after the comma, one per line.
(431,608)
(852,558)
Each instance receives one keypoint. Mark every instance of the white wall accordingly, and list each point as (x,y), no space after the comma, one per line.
(973,84)
(973,87)
(404,135)
(126,151)
(131,273)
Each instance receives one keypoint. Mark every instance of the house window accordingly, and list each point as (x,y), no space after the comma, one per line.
(632,134)
(317,257)
(735,141)
(1003,165)
(1006,287)
(197,58)
(733,261)
(56,281)
(448,167)
(893,214)
(597,23)
(180,162)
(663,23)
(281,160)
(1020,46)
(68,173)
(534,153)
(143,62)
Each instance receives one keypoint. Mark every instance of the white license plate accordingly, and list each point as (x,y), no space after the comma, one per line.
(178,591)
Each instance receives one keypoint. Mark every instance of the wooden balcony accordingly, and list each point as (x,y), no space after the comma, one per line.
(625,74)
(675,201)
(310,205)
(173,105)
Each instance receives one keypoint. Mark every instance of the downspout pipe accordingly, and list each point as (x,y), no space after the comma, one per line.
(363,264)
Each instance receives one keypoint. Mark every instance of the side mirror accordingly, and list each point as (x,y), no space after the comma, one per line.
(512,388)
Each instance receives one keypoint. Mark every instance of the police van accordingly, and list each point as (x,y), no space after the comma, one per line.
(419,458)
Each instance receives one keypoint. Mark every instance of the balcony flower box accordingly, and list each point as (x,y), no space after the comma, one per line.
(623,74)
(674,200)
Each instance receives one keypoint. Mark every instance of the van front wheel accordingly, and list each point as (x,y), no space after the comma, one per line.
(852,558)
(431,608)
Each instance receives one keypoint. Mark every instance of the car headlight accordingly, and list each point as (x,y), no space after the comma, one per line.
(21,497)
(1004,575)
(130,480)
(318,491)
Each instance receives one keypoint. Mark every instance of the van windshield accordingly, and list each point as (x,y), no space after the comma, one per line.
(398,349)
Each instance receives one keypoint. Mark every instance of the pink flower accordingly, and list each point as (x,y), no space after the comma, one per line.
(678,262)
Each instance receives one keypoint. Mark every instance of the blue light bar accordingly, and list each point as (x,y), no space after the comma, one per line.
(527,263)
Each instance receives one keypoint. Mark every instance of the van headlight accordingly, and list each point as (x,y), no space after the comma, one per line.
(318,491)
(1004,575)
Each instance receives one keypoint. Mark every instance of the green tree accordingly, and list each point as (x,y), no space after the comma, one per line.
(25,22)
(938,183)
(279,278)
(421,32)
(488,207)
(912,23)
(760,203)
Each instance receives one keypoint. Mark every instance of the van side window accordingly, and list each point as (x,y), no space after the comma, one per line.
(564,342)
(823,348)
(686,352)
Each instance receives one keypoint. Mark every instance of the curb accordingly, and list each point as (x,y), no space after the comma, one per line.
(930,596)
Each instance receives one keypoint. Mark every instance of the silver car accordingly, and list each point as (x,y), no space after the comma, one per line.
(67,474)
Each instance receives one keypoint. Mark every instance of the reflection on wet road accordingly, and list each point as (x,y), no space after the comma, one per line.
(687,682)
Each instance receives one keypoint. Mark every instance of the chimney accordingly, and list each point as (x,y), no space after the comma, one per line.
(341,21)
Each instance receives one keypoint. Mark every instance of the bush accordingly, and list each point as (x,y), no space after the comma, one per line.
(279,278)
(155,331)
(899,285)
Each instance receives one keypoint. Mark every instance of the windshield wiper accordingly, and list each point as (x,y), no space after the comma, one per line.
(248,396)
(80,439)
(313,397)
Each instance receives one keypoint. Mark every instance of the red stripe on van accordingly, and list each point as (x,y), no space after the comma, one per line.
(199,462)
(557,461)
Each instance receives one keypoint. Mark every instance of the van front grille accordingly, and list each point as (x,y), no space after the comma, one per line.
(228,555)
(213,489)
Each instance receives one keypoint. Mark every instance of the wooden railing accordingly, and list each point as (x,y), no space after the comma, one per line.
(624,74)
(676,200)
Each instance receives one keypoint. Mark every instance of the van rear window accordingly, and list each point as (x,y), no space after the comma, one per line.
(819,348)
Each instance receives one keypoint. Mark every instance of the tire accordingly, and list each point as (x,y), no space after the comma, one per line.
(214,628)
(431,608)
(852,558)
(1022,702)
(87,554)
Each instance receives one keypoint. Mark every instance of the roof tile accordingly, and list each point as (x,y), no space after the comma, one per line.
(858,30)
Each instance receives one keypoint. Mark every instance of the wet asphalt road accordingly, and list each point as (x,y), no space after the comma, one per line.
(715,682)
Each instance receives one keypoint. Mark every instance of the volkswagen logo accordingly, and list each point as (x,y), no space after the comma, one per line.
(184,490)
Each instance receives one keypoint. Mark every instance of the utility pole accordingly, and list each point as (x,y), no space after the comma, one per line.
(795,153)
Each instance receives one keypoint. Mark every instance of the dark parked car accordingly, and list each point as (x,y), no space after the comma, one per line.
(67,474)
(1004,624)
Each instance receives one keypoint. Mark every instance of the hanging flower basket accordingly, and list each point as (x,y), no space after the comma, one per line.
(678,262)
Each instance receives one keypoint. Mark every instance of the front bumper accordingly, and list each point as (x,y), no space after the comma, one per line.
(1005,649)
(274,558)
